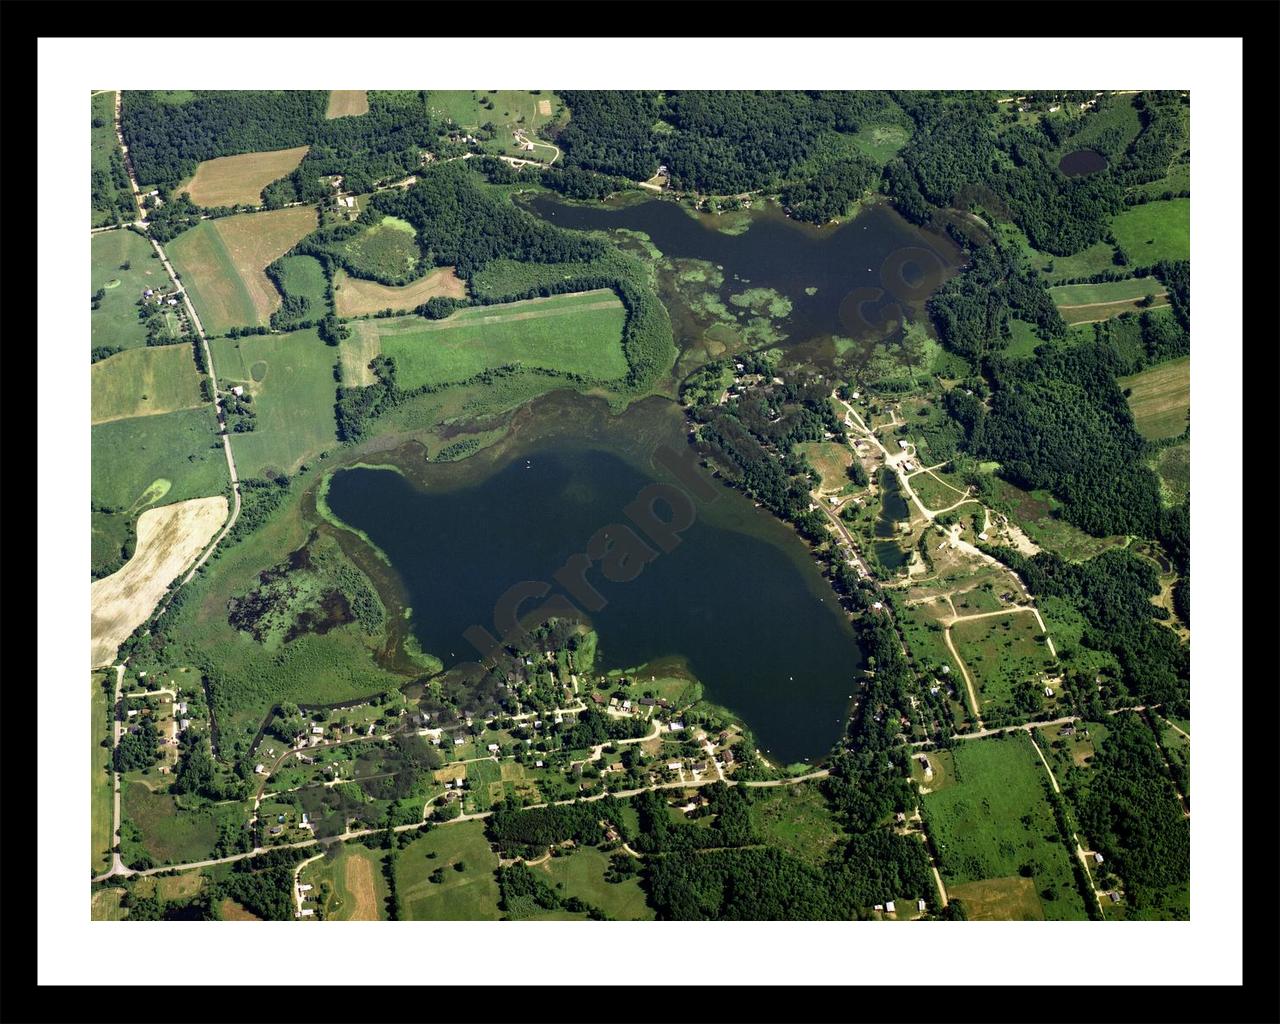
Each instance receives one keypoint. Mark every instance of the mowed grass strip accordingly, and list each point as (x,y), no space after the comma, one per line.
(347,103)
(1068,296)
(995,823)
(467,895)
(115,322)
(144,382)
(579,333)
(1155,231)
(292,402)
(1160,398)
(356,297)
(222,264)
(237,180)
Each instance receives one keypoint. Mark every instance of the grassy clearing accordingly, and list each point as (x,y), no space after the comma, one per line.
(230,910)
(582,874)
(467,895)
(796,819)
(239,180)
(881,142)
(1070,295)
(1160,398)
(115,322)
(944,770)
(106,905)
(1000,899)
(1173,464)
(221,264)
(293,397)
(996,824)
(831,460)
(1036,512)
(357,352)
(144,382)
(171,835)
(386,250)
(303,277)
(511,109)
(100,805)
(182,448)
(356,297)
(347,103)
(1155,231)
(937,492)
(1001,652)
(1107,311)
(579,333)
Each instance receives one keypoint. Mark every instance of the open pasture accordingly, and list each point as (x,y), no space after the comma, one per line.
(467,895)
(354,296)
(578,333)
(144,382)
(1160,398)
(1001,652)
(1154,231)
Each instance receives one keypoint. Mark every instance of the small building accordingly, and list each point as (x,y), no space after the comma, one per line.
(675,726)
(280,818)
(306,912)
(597,698)
(1048,691)
(458,741)
(180,708)
(1113,896)
(674,766)
(920,905)
(626,705)
(173,302)
(900,817)
(879,906)
(237,390)
(133,712)
(878,605)
(274,830)
(647,702)
(305,887)
(493,748)
(537,764)
(184,724)
(1097,858)
(946,670)
(902,444)
(889,907)
(317,731)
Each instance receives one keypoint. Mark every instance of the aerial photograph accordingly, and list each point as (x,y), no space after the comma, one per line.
(639,505)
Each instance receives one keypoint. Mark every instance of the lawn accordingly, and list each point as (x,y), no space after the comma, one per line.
(221,263)
(239,180)
(831,460)
(1001,652)
(100,806)
(1155,231)
(293,397)
(144,382)
(467,895)
(356,297)
(511,109)
(347,102)
(795,819)
(996,825)
(115,322)
(484,783)
(582,874)
(578,333)
(1160,398)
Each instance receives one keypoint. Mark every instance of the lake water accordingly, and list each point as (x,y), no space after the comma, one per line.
(1082,161)
(739,600)
(845,280)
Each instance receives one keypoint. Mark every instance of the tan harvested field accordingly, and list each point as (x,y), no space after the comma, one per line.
(357,352)
(232,180)
(233,911)
(358,879)
(544,108)
(347,102)
(354,297)
(144,382)
(999,899)
(223,262)
(169,539)
(1160,398)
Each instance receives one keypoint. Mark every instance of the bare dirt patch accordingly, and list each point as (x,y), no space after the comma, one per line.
(169,540)
(354,297)
(232,180)
(347,103)
(358,879)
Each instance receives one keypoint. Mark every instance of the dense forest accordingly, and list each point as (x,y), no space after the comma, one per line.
(168,139)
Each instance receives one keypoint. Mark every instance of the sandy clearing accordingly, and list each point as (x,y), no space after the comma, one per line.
(169,539)
(355,297)
(358,879)
(232,180)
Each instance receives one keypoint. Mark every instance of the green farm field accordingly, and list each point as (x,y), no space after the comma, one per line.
(239,180)
(1070,295)
(1154,231)
(221,263)
(144,382)
(467,895)
(582,874)
(995,824)
(1001,652)
(293,401)
(179,448)
(1160,398)
(357,886)
(115,322)
(303,277)
(578,333)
